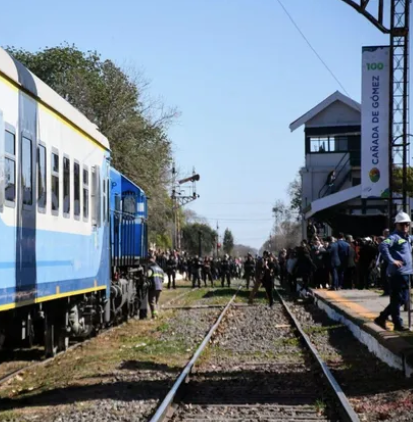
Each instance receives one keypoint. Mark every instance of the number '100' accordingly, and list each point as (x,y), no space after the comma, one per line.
(375,66)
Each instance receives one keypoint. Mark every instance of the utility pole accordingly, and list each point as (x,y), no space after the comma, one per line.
(200,244)
(179,199)
(398,28)
(217,240)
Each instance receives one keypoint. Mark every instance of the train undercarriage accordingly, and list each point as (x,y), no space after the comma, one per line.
(56,324)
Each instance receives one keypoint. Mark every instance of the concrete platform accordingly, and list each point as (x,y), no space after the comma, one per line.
(357,309)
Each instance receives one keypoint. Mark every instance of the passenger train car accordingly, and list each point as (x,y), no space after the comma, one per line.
(67,219)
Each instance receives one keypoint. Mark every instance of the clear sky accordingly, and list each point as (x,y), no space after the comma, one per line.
(238,71)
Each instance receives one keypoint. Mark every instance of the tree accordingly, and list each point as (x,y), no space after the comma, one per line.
(190,238)
(190,216)
(295,192)
(286,228)
(243,250)
(228,242)
(111,99)
(398,180)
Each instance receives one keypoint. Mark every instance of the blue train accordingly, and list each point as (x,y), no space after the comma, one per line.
(71,225)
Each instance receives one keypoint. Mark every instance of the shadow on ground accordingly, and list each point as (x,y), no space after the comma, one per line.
(358,371)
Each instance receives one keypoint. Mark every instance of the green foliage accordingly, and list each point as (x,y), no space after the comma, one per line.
(398,180)
(295,192)
(190,238)
(111,99)
(228,242)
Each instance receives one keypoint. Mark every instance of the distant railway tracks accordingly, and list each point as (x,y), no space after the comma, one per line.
(260,366)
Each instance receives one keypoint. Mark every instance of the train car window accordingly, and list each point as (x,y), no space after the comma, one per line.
(55,182)
(76,181)
(96,196)
(66,186)
(104,201)
(26,171)
(41,177)
(117,203)
(10,166)
(85,193)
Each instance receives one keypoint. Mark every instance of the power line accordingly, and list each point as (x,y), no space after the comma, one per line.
(239,203)
(312,48)
(239,219)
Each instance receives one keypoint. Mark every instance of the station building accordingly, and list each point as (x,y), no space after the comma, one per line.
(331,177)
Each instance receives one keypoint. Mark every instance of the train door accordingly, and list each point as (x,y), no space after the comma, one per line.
(7,202)
(26,274)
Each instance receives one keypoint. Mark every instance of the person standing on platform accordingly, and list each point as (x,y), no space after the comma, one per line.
(334,262)
(344,254)
(156,277)
(397,252)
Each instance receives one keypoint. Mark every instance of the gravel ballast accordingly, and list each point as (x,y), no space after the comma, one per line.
(132,389)
(376,391)
(256,369)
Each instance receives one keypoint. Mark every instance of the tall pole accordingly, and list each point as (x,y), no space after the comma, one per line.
(406,101)
(200,244)
(217,240)
(399,30)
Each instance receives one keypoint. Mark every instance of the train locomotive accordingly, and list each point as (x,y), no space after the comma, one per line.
(72,227)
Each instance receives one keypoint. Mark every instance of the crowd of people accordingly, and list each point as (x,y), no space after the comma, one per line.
(199,269)
(336,263)
(381,262)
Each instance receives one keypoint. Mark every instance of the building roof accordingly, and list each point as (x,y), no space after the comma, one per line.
(18,74)
(333,200)
(337,96)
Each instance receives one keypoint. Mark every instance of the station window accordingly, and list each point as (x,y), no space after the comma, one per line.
(10,166)
(55,181)
(66,186)
(329,144)
(76,181)
(41,177)
(26,171)
(85,193)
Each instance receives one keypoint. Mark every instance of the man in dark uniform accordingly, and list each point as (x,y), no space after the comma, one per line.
(249,266)
(196,271)
(207,274)
(269,268)
(259,271)
(171,265)
(226,271)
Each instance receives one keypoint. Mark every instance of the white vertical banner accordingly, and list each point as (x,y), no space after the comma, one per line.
(375,122)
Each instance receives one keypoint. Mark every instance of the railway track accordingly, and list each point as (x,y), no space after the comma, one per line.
(33,364)
(261,366)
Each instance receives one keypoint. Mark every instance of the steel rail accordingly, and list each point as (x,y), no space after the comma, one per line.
(108,330)
(348,411)
(167,402)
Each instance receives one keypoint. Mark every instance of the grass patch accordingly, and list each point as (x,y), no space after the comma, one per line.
(322,328)
(104,356)
(193,296)
(294,342)
(320,407)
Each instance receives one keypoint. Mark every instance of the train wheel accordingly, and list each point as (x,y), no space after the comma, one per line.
(29,334)
(56,338)
(50,341)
